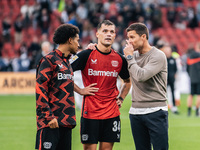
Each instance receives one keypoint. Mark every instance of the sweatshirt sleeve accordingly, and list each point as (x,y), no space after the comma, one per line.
(153,67)
(43,75)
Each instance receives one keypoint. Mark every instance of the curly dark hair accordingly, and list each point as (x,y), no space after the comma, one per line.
(64,32)
(139,28)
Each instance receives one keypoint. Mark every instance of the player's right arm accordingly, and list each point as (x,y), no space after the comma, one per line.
(88,90)
(80,60)
(43,75)
(79,64)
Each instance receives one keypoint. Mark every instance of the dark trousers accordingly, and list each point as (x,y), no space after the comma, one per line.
(171,85)
(150,130)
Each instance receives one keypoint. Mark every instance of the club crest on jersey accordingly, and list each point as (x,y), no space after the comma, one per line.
(115,63)
(94,61)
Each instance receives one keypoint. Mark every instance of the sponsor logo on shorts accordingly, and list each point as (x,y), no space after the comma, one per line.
(47,145)
(84,137)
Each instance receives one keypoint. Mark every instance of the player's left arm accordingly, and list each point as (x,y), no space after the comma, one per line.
(124,91)
(79,63)
(124,74)
(125,88)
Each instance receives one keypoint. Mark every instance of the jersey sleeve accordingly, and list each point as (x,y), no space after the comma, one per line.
(124,73)
(43,75)
(156,64)
(81,60)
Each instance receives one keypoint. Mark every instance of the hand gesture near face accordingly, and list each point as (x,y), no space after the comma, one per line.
(128,50)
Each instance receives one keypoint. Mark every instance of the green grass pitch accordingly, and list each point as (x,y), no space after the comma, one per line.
(18,126)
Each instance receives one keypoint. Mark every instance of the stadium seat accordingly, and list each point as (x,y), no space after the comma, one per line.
(31,2)
(186,2)
(197,32)
(8,51)
(17,48)
(30,31)
(194,3)
(169,32)
(22,2)
(178,32)
(13,3)
(4,3)
(160,31)
(0,27)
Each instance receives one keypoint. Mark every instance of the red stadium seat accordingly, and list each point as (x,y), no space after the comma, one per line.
(197,32)
(30,31)
(8,51)
(186,2)
(4,3)
(179,32)
(31,2)
(160,31)
(17,48)
(13,3)
(194,3)
(169,32)
(22,2)
(188,31)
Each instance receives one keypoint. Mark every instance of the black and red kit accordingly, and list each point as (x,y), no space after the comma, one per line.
(55,91)
(103,69)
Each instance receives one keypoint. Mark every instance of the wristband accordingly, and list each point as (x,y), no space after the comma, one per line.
(121,98)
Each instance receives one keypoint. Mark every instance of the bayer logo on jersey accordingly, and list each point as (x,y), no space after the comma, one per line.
(114,63)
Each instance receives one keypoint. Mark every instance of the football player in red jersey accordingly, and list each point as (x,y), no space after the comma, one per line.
(100,121)
(55,103)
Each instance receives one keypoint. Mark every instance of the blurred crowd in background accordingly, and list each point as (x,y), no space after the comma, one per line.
(27,26)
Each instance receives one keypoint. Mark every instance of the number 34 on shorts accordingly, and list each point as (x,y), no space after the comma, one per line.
(116,126)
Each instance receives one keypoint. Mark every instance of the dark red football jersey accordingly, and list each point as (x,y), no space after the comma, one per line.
(103,69)
(55,91)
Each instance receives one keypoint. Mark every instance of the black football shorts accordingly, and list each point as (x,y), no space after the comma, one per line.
(53,139)
(107,130)
(195,88)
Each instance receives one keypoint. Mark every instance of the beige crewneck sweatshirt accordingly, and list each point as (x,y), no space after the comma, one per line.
(148,73)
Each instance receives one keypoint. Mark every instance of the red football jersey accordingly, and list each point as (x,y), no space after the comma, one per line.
(103,69)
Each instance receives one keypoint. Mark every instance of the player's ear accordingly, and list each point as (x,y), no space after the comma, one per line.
(143,36)
(70,40)
(97,34)
(115,34)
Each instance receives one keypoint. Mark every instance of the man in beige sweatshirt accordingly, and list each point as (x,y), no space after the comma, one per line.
(148,70)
